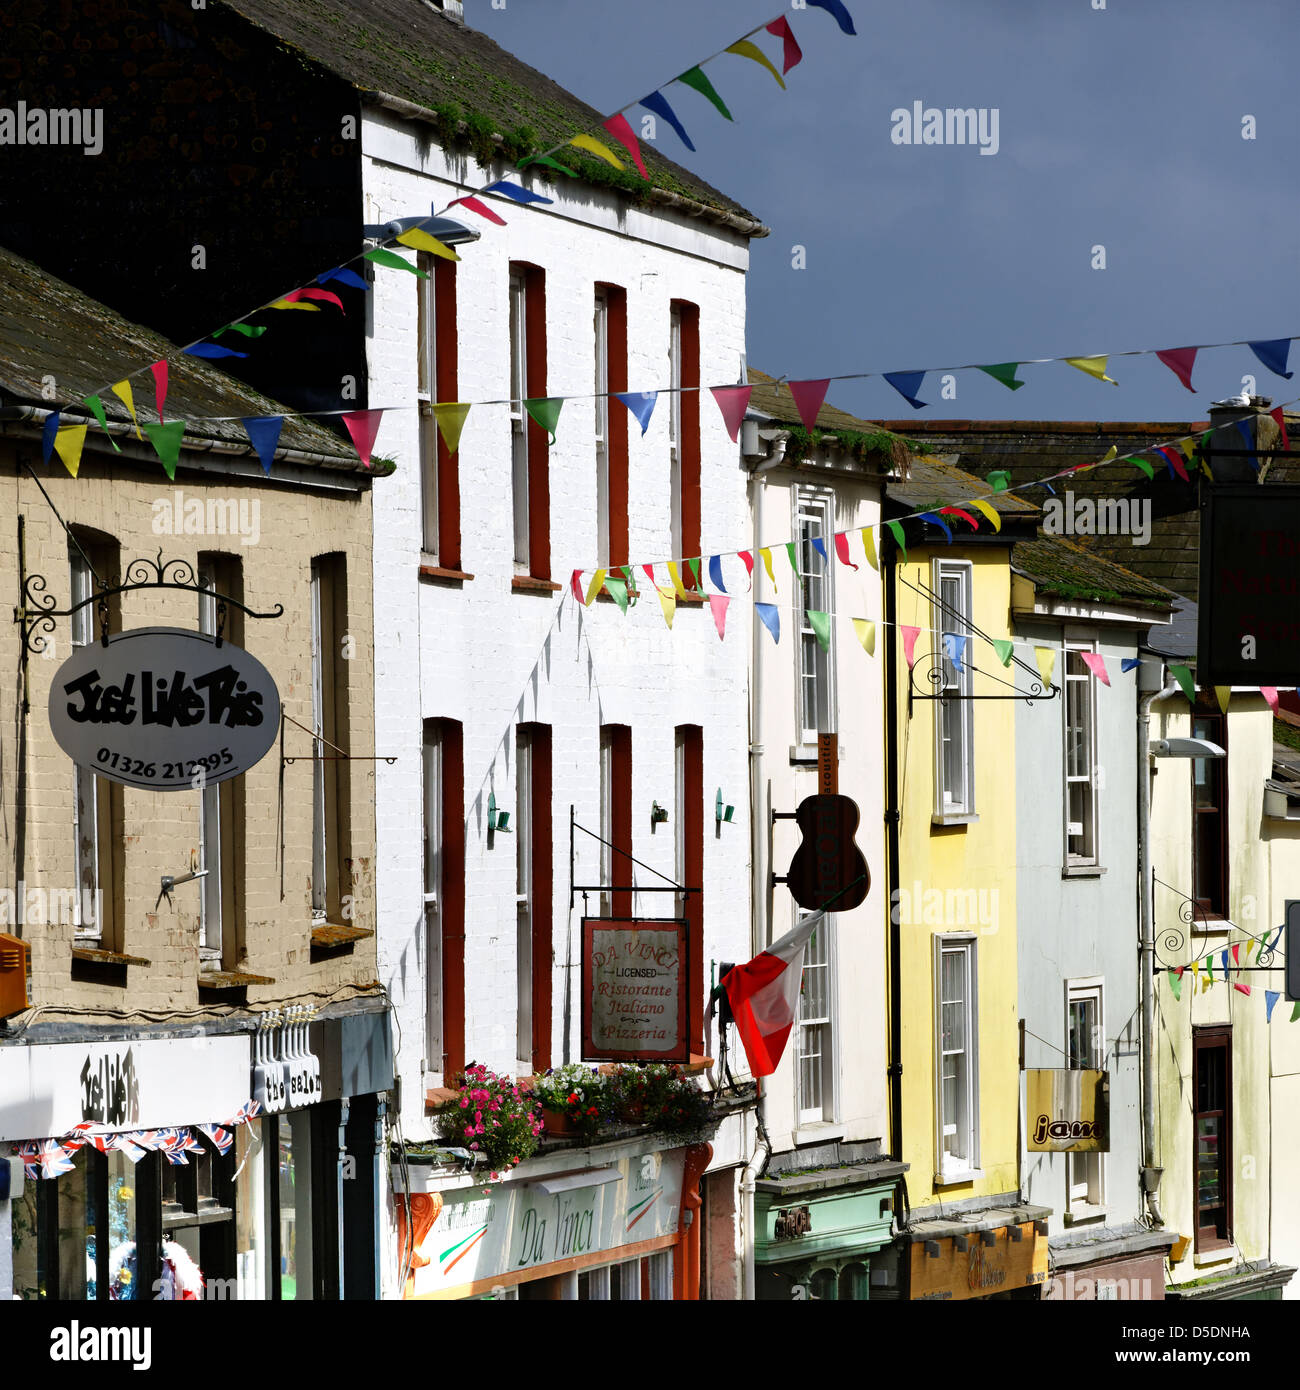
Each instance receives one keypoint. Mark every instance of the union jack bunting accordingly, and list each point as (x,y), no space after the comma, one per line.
(222,1138)
(54,1159)
(31,1164)
(250,1110)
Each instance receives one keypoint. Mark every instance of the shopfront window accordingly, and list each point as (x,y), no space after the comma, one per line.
(295,1205)
(250,1211)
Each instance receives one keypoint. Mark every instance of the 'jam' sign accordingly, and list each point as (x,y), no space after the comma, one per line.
(164,709)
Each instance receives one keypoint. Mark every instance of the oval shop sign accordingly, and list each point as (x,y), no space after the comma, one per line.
(159,704)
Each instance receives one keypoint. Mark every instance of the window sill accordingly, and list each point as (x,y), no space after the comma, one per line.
(328,937)
(951,1179)
(1082,1213)
(951,818)
(95,956)
(1213,925)
(526,584)
(445,576)
(231,979)
(814,1132)
(1082,871)
(806,753)
(1215,1255)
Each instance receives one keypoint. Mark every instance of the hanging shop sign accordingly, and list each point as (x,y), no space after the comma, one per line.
(634,974)
(521,1231)
(164,709)
(1248,622)
(125,1085)
(828,867)
(1068,1110)
(958,1268)
(286,1072)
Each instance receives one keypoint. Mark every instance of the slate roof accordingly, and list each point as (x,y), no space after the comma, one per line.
(48,328)
(1058,566)
(935,482)
(409,50)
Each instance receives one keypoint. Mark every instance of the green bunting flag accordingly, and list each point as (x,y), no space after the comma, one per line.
(548,162)
(618,592)
(1295,1011)
(545,411)
(394,261)
(166,440)
(695,572)
(1005,372)
(794,556)
(1142,464)
(1176,983)
(1004,650)
(1184,678)
(97,410)
(821,625)
(1000,480)
(246,329)
(896,530)
(695,77)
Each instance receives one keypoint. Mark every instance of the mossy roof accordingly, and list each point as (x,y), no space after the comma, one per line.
(775,401)
(48,329)
(1058,566)
(407,49)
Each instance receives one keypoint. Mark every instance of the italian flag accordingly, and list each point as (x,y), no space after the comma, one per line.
(764,996)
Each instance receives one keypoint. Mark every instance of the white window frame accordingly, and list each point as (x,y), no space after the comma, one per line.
(965,1167)
(524,902)
(427,398)
(816,1105)
(675,425)
(319,828)
(85,785)
(211,923)
(519,419)
(1085,1173)
(433,870)
(1085,684)
(600,329)
(814,515)
(954,715)
(661,1275)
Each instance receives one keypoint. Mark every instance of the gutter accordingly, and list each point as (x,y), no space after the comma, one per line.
(893,816)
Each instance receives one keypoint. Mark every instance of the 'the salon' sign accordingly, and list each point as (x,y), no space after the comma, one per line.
(158,706)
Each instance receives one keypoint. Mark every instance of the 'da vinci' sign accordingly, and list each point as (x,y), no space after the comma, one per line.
(158,706)
(634,980)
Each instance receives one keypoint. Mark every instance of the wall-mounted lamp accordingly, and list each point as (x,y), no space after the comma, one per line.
(497,821)
(721,812)
(658,815)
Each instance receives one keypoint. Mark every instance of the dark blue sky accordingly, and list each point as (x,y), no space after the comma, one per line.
(1119,127)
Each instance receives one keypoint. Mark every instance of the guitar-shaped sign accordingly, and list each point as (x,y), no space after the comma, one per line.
(828,869)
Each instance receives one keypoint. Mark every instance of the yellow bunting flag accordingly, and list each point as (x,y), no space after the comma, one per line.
(866,631)
(767,565)
(123,392)
(1196,969)
(869,547)
(1206,982)
(745,49)
(294,304)
(593,588)
(594,146)
(1093,366)
(679,589)
(68,443)
(1046,659)
(1223,693)
(451,420)
(668,602)
(990,511)
(421,241)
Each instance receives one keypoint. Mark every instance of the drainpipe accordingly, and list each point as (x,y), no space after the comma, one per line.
(762,1152)
(893,815)
(1146,961)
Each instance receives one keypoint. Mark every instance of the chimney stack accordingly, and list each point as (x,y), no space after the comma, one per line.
(1224,450)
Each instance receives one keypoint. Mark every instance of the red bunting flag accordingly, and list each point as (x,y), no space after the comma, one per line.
(575,583)
(1281,424)
(808,398)
(842,549)
(793,54)
(1245,989)
(748,560)
(910,634)
(1174,459)
(732,401)
(965,516)
(649,571)
(1096,663)
(480,207)
(159,370)
(328,295)
(718,603)
(622,132)
(1269,693)
(1180,362)
(363,426)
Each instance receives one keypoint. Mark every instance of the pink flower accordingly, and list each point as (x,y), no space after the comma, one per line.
(464,1102)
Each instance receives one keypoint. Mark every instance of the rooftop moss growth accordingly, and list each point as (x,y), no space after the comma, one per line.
(860,445)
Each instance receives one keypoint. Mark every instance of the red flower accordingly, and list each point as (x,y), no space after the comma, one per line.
(574,1098)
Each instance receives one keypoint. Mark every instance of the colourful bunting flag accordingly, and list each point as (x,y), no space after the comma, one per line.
(744,49)
(159,370)
(1223,960)
(166,440)
(97,410)
(907,384)
(866,631)
(1180,361)
(668,602)
(545,411)
(748,561)
(1184,678)
(420,240)
(1176,983)
(954,645)
(694,567)
(732,401)
(715,572)
(593,588)
(910,634)
(548,162)
(943,526)
(1236,954)
(792,54)
(819,545)
(1244,989)
(598,148)
(718,604)
(1209,970)
(808,398)
(1094,367)
(516,192)
(675,577)
(821,625)
(48,430)
(1271,996)
(1046,659)
(1280,419)
(1004,649)
(842,549)
(1096,663)
(264,435)
(619,128)
(770,616)
(766,555)
(1128,663)
(340,273)
(617,590)
(1273,354)
(247,330)
(1005,372)
(869,547)
(965,516)
(363,426)
(1174,460)
(1140,463)
(640,403)
(1270,695)
(989,511)
(793,556)
(658,104)
(575,584)
(694,77)
(450,417)
(68,444)
(836,8)
(294,302)
(327,295)
(1295,1011)
(896,530)
(211,351)
(999,480)
(393,261)
(477,205)
(1249,436)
